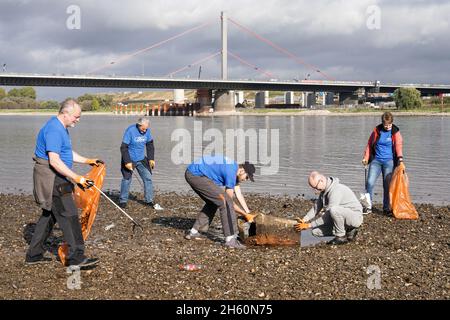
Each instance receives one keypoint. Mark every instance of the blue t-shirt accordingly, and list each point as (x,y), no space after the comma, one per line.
(219,169)
(54,137)
(383,149)
(136,142)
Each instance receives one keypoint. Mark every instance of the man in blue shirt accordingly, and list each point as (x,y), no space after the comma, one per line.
(137,140)
(52,189)
(207,176)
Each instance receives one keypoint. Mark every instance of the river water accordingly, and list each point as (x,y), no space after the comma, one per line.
(330,144)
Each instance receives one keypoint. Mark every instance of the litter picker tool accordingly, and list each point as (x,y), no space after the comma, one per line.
(135,223)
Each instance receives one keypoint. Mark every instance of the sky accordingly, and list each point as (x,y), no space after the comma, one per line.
(392,41)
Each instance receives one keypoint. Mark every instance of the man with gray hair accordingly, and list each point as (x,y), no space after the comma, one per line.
(53,187)
(137,140)
(336,212)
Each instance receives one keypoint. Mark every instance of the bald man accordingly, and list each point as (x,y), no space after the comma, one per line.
(336,212)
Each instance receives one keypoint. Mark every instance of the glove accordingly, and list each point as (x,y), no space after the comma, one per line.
(365,162)
(249,217)
(83,182)
(129,166)
(152,164)
(94,162)
(301,225)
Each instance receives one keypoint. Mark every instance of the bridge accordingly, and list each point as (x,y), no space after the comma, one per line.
(12,79)
(225,99)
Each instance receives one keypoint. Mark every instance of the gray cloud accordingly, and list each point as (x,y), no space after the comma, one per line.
(412,45)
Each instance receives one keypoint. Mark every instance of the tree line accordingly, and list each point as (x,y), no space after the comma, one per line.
(25,98)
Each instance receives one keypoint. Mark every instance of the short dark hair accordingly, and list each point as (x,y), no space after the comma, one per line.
(387,117)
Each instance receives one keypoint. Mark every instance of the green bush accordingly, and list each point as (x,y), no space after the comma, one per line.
(95,105)
(407,98)
(25,92)
(2,93)
(437,100)
(19,103)
(50,104)
(85,97)
(86,105)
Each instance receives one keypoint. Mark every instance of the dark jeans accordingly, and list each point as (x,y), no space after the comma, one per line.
(65,213)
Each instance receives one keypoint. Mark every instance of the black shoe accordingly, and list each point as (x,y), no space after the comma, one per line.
(37,260)
(351,234)
(123,205)
(87,262)
(338,241)
(387,212)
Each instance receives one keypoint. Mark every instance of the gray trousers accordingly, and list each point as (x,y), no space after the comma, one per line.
(65,213)
(336,220)
(215,198)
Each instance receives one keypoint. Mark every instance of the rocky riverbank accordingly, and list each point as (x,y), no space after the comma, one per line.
(412,257)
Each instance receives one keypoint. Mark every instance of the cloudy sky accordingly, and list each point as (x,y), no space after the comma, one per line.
(406,41)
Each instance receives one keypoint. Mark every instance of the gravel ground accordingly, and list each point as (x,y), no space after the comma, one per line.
(412,257)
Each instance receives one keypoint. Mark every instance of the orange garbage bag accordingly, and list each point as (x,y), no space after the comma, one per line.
(401,204)
(86,200)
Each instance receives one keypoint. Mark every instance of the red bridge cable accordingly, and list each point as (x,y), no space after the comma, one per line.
(192,64)
(128,56)
(266,73)
(285,51)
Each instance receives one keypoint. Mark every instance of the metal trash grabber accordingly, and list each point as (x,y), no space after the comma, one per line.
(126,214)
(365,177)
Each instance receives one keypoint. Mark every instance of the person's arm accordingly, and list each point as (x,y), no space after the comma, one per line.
(230,193)
(399,145)
(311,214)
(78,159)
(150,150)
(60,167)
(367,150)
(125,153)
(150,154)
(241,199)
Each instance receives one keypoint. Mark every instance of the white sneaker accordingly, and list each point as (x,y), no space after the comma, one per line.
(156,206)
(365,200)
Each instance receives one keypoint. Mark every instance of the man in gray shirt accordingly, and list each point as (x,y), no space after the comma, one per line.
(336,212)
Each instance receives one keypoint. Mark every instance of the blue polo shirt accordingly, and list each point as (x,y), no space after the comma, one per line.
(383,149)
(136,142)
(219,169)
(54,137)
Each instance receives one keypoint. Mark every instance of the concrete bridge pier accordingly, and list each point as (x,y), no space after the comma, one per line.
(310,98)
(239,97)
(302,99)
(178,96)
(261,99)
(224,101)
(289,97)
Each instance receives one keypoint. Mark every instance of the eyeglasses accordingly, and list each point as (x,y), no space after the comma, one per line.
(315,188)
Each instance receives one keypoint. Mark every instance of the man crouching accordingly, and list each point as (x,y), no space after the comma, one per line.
(336,212)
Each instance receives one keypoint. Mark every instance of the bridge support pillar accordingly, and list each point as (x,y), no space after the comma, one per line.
(178,96)
(261,99)
(329,98)
(204,97)
(310,99)
(239,97)
(289,97)
(224,101)
(302,99)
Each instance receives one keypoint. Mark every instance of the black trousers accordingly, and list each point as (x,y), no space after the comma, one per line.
(65,213)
